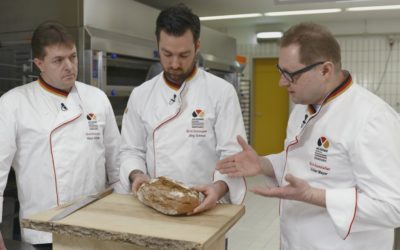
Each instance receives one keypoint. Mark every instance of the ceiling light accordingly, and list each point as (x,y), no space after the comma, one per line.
(209,18)
(385,7)
(302,12)
(269,35)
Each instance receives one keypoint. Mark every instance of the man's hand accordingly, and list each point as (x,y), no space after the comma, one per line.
(137,178)
(245,163)
(212,193)
(297,189)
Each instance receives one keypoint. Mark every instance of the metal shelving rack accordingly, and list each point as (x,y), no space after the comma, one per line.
(245,104)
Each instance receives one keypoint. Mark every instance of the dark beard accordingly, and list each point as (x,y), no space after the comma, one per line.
(178,78)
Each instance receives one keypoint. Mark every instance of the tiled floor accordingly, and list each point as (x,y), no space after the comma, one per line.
(259,227)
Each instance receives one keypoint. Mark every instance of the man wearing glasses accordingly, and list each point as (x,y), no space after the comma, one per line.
(338,175)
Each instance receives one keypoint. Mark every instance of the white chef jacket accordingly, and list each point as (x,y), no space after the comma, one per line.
(350,148)
(182,133)
(59,152)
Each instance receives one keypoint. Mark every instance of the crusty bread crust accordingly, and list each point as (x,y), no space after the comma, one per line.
(168,196)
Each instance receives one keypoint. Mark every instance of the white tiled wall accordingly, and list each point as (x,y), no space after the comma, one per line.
(364,56)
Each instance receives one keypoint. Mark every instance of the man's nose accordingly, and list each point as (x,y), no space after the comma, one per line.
(283,82)
(68,64)
(175,64)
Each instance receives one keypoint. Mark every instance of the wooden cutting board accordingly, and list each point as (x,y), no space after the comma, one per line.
(123,219)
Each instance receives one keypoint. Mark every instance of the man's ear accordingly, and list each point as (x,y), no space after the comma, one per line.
(327,68)
(39,63)
(197,45)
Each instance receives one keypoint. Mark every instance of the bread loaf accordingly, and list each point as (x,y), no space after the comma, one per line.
(168,196)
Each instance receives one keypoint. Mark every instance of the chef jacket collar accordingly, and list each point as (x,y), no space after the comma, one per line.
(177,86)
(335,93)
(52,89)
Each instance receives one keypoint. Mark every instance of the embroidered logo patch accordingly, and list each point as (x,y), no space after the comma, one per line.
(322,149)
(197,129)
(92,121)
(320,157)
(91,116)
(198,118)
(322,141)
(198,113)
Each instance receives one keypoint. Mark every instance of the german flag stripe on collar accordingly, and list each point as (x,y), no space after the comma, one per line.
(177,86)
(51,89)
(311,109)
(335,93)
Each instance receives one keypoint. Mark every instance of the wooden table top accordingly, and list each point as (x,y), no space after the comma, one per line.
(122,218)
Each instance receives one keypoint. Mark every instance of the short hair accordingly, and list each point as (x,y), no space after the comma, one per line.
(49,33)
(176,20)
(315,42)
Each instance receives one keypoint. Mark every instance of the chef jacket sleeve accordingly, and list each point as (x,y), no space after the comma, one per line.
(8,146)
(229,124)
(133,142)
(278,165)
(374,203)
(112,140)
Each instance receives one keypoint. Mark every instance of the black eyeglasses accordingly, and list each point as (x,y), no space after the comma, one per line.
(289,75)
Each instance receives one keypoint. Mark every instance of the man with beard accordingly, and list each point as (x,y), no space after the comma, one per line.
(59,135)
(181,122)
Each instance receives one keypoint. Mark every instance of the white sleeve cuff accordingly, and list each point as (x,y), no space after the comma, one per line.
(342,207)
(278,164)
(237,187)
(126,168)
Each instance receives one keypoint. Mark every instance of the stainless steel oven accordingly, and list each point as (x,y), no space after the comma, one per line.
(117,75)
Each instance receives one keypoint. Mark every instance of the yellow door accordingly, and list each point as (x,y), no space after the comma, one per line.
(271,108)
